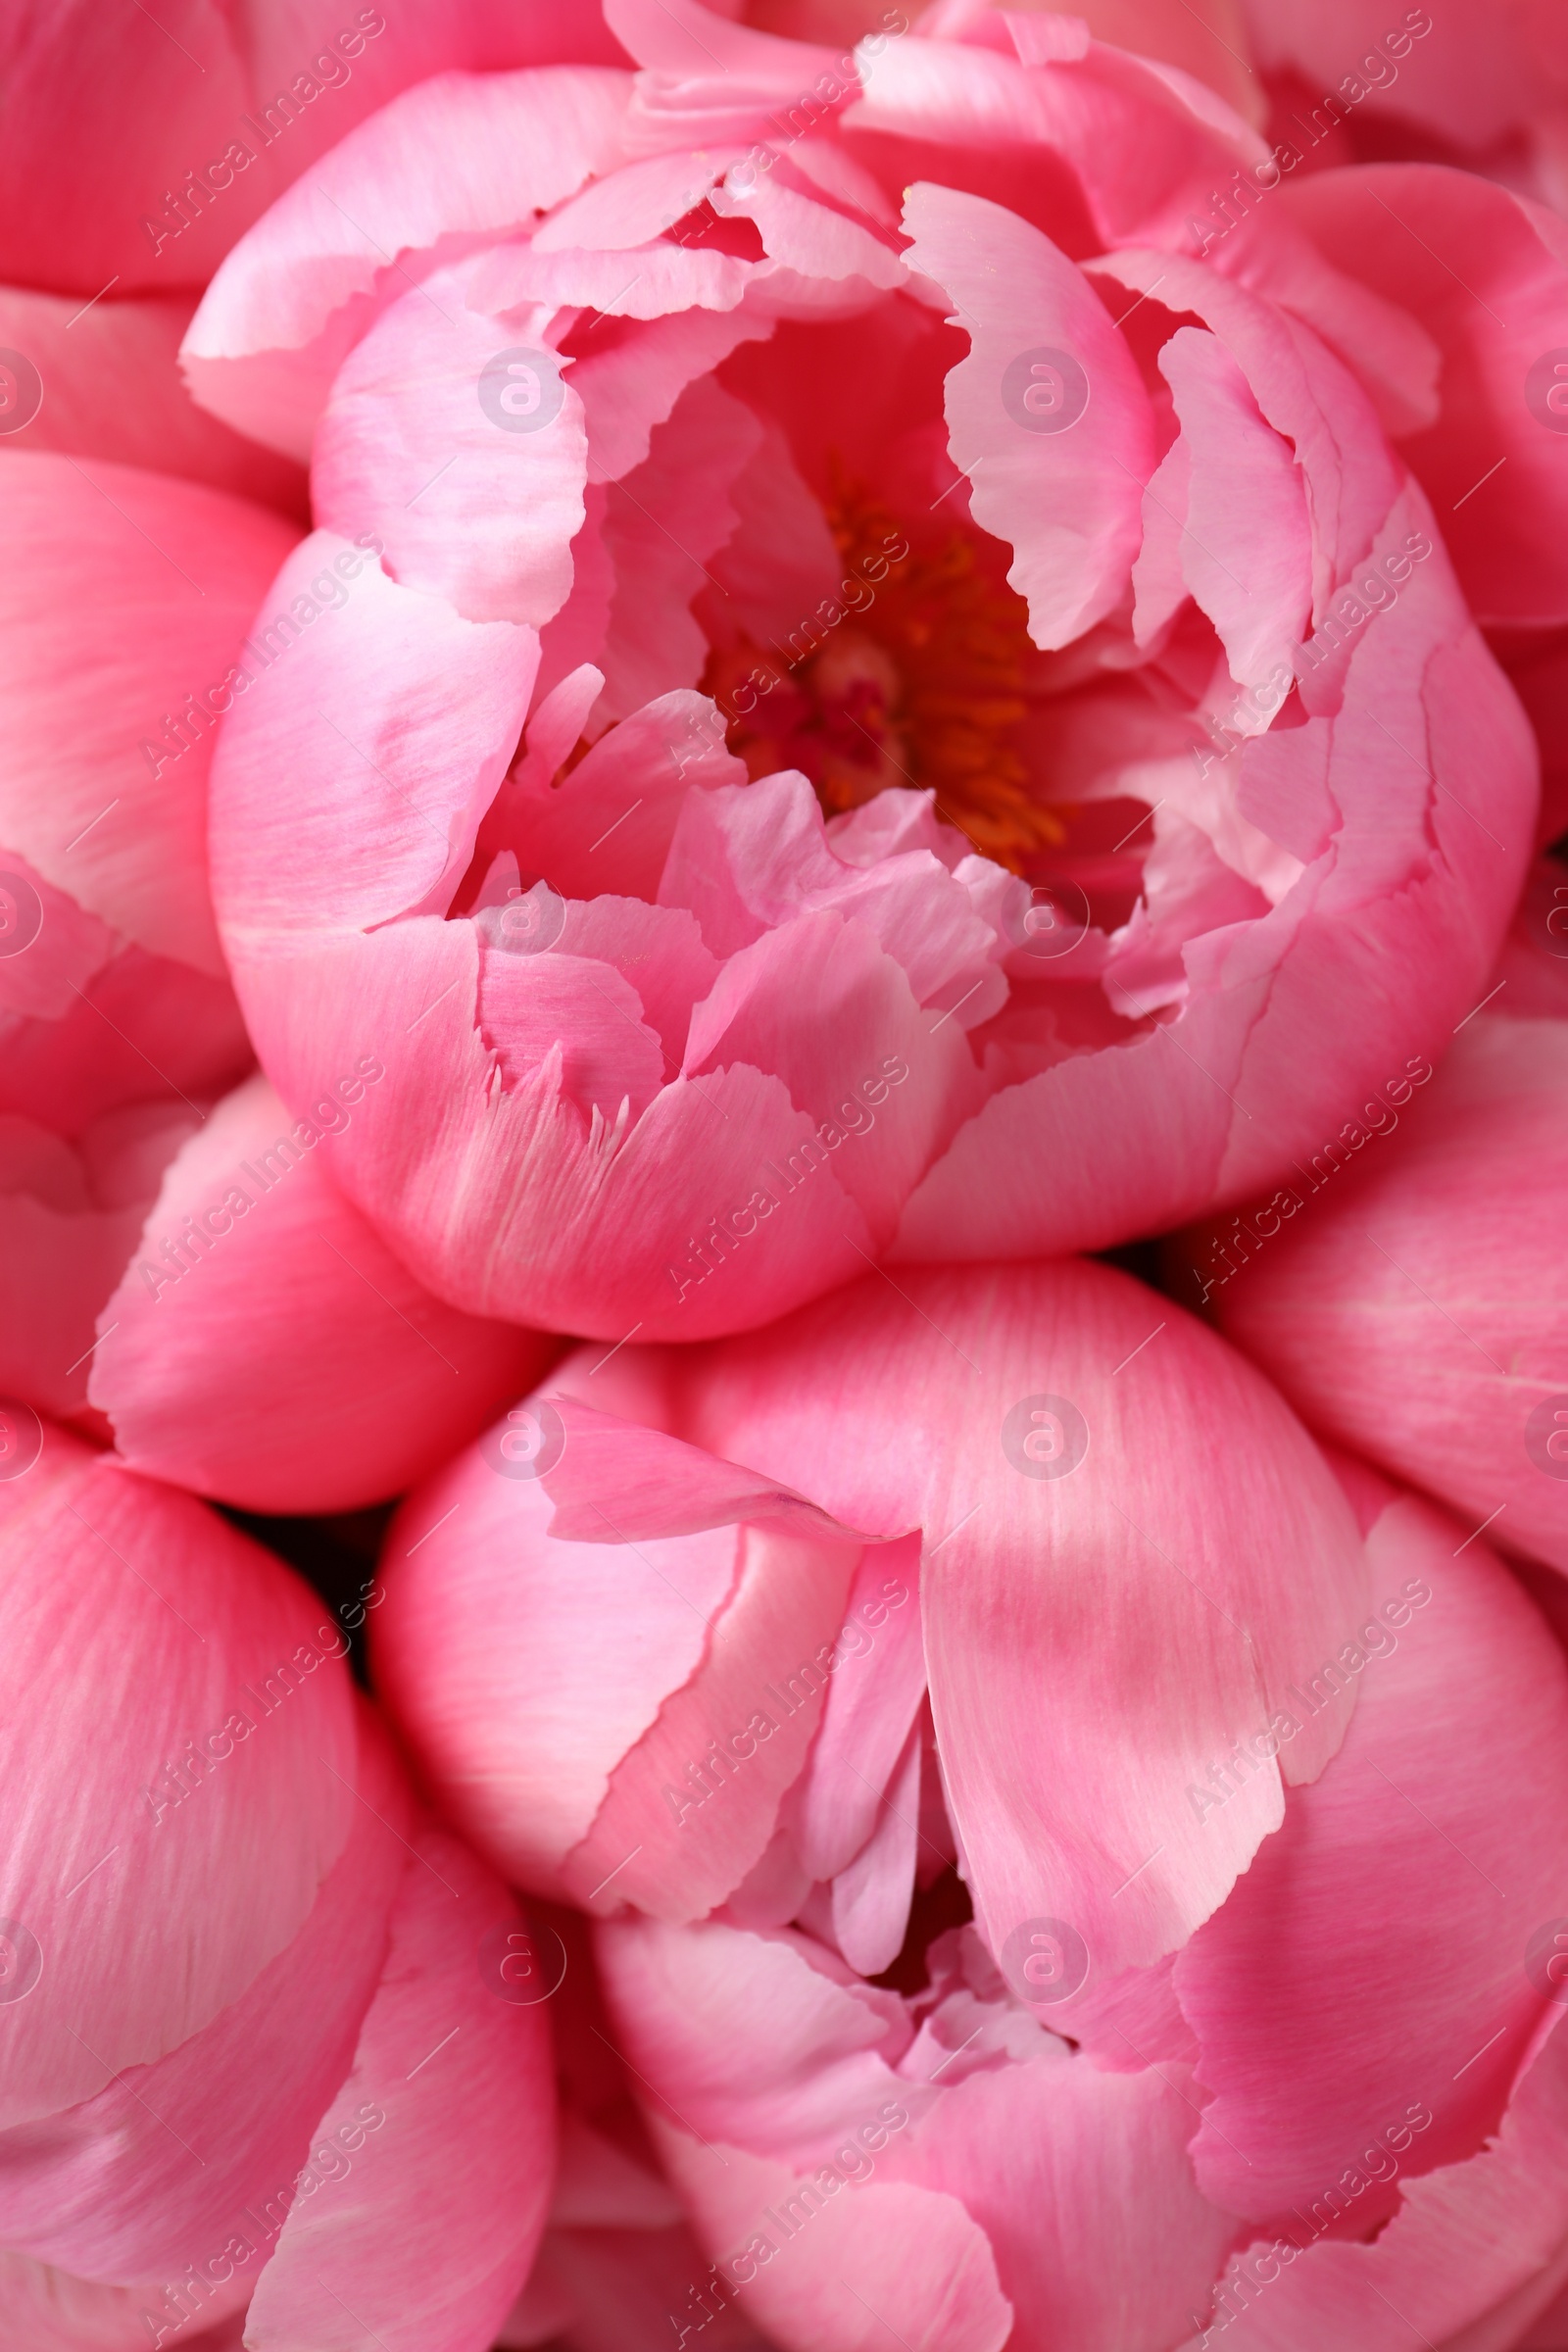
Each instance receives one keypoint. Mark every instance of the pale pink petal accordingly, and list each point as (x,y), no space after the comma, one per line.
(729,1192)
(628,208)
(1243,1078)
(468,501)
(692,1807)
(606,827)
(363,696)
(1066,500)
(142,1023)
(1416,1310)
(619,1482)
(53,2310)
(113,390)
(870,1707)
(1246,549)
(488,1626)
(189,126)
(846,1058)
(629,382)
(661,525)
(574,1019)
(1467,2260)
(871,1904)
(1136,142)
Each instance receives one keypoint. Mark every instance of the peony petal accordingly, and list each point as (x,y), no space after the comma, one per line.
(1066,499)
(178,1627)
(1162,1505)
(1483,272)
(1467,2261)
(403,705)
(265,1347)
(465,156)
(1416,1311)
(428,2236)
(1246,548)
(665,1838)
(113,390)
(617,1482)
(1426,1882)
(469,500)
(124,593)
(140,2180)
(481,1641)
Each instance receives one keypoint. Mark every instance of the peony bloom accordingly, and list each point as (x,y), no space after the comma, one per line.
(1280,2138)
(635,1671)
(908,705)
(259,2052)
(1406,1289)
(1251,1777)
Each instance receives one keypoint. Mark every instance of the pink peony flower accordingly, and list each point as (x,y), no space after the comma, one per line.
(1264,1834)
(1335,2117)
(1406,1290)
(691,1686)
(258,2051)
(1003,749)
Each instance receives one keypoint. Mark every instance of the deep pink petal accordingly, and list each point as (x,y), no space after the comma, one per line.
(427,2236)
(267,1348)
(179,1630)
(1408,1862)
(125,595)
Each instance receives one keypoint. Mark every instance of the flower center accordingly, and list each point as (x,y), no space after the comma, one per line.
(913,675)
